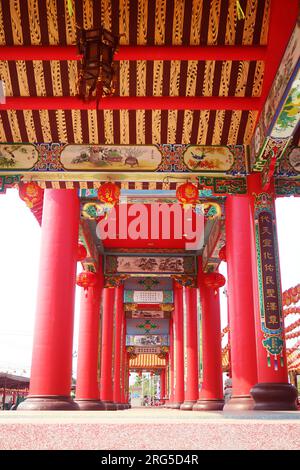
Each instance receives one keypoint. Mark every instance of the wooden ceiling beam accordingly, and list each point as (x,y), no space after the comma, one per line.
(134,53)
(133,103)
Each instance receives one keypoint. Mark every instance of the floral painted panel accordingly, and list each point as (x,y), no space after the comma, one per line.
(111,157)
(17,156)
(290,114)
(201,158)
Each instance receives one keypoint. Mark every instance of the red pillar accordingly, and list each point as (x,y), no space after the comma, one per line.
(51,369)
(191,349)
(163,384)
(87,386)
(106,388)
(178,350)
(122,362)
(272,392)
(171,365)
(240,299)
(127,375)
(118,352)
(211,394)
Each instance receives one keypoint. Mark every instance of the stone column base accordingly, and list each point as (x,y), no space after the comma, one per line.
(120,406)
(90,405)
(175,406)
(239,402)
(109,405)
(187,405)
(274,396)
(208,405)
(48,402)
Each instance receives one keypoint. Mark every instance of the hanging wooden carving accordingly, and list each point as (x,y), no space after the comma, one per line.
(97,74)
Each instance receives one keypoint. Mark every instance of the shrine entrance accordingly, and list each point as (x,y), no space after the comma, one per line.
(150,149)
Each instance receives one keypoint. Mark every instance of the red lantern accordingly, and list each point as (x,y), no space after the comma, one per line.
(214,280)
(86,279)
(187,194)
(31,193)
(222,253)
(109,193)
(81,252)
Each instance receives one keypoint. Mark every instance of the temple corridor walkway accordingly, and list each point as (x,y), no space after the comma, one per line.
(149,428)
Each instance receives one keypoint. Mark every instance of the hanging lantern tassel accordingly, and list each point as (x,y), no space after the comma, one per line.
(275,362)
(239,11)
(269,359)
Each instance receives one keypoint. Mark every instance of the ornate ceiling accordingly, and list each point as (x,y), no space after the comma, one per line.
(143,23)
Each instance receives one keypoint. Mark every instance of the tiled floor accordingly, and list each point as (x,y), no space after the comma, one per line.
(149,428)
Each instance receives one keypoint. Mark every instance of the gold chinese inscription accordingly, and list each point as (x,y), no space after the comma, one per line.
(271,296)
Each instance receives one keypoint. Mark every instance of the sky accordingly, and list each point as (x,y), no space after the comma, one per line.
(19,260)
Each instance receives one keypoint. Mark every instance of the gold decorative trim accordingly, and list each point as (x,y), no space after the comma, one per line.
(241,83)
(187,126)
(234,127)
(45,123)
(225,78)
(196,22)
(160,16)
(12,117)
(218,127)
(172,125)
(88,14)
(265,24)
(249,22)
(178,17)
(124,126)
(2,34)
(30,127)
(258,78)
(5,76)
(22,77)
(39,77)
(15,14)
(34,21)
(202,129)
(158,77)
(208,78)
(108,126)
(214,20)
(142,18)
(231,24)
(76,119)
(106,14)
(52,23)
(141,69)
(124,6)
(124,77)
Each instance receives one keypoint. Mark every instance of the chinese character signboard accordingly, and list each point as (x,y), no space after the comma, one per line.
(268,277)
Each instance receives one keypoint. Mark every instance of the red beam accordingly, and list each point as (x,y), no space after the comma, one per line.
(191,53)
(138,53)
(134,102)
(39,53)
